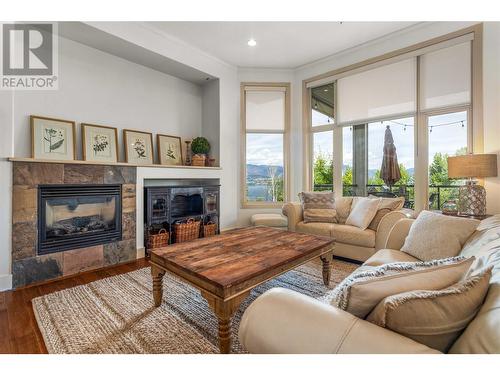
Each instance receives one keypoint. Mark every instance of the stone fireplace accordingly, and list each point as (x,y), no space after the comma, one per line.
(69,218)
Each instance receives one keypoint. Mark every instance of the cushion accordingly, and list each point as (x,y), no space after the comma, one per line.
(433,317)
(353,235)
(269,220)
(319,229)
(385,256)
(343,208)
(360,292)
(363,211)
(436,236)
(482,334)
(318,207)
(386,205)
(485,237)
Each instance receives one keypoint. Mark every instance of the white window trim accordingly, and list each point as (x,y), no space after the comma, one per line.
(474,110)
(264,86)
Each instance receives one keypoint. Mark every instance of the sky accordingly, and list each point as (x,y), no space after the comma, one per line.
(444,139)
(267,149)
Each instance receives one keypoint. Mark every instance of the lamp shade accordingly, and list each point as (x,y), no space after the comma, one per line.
(472,165)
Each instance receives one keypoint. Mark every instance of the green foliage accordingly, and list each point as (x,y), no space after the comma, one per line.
(438,175)
(323,170)
(200,145)
(347,177)
(438,170)
(375,179)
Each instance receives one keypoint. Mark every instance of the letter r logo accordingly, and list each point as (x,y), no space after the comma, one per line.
(27,49)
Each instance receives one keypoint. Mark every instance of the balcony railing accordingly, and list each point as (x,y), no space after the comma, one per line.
(438,194)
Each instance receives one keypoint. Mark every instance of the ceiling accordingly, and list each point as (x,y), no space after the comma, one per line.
(279,44)
(92,37)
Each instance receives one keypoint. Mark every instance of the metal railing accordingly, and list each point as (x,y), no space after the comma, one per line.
(438,194)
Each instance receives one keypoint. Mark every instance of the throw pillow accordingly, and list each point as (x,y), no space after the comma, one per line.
(361,292)
(343,208)
(434,317)
(386,205)
(318,207)
(435,236)
(363,211)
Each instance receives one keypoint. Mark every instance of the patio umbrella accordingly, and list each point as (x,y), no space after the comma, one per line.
(389,172)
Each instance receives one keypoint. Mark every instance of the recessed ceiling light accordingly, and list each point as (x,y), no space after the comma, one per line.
(252,42)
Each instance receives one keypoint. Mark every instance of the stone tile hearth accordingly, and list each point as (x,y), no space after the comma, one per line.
(27,266)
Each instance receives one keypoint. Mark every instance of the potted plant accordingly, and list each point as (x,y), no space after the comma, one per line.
(200,147)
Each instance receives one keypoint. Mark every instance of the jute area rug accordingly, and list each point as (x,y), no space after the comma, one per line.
(116,314)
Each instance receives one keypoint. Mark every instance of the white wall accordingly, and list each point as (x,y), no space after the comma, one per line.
(156,41)
(211,117)
(491,106)
(96,87)
(99,88)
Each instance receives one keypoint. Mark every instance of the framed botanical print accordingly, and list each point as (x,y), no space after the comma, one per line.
(169,149)
(100,143)
(52,138)
(138,147)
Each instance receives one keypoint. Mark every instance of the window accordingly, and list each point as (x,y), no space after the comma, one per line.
(322,121)
(447,137)
(424,95)
(363,151)
(265,113)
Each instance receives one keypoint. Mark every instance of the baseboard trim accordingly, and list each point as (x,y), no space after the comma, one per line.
(5,282)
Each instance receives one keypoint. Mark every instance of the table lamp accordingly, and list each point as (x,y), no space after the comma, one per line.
(472,196)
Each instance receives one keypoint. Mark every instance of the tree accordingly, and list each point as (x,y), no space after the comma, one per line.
(323,169)
(375,179)
(438,170)
(347,177)
(275,184)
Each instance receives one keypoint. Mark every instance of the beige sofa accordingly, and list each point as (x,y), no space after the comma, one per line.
(351,242)
(283,321)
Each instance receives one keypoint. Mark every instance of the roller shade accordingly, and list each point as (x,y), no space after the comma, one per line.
(265,110)
(381,92)
(445,77)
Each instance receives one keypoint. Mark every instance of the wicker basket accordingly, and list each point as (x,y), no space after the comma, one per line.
(209,229)
(158,240)
(198,160)
(187,231)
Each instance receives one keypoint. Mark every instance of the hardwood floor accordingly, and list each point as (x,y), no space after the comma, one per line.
(19,332)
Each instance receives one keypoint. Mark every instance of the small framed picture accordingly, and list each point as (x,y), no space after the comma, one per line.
(52,138)
(138,147)
(100,143)
(169,149)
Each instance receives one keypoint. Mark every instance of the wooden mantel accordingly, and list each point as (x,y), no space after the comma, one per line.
(31,160)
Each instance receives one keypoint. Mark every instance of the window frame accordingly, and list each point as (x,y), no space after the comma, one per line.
(474,110)
(266,86)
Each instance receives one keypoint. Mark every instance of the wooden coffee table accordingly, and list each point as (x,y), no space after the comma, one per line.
(226,267)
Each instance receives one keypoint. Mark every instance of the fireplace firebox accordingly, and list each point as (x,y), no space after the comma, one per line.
(77,216)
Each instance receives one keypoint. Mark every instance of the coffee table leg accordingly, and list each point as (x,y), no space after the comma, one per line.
(224,310)
(327,268)
(157,274)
